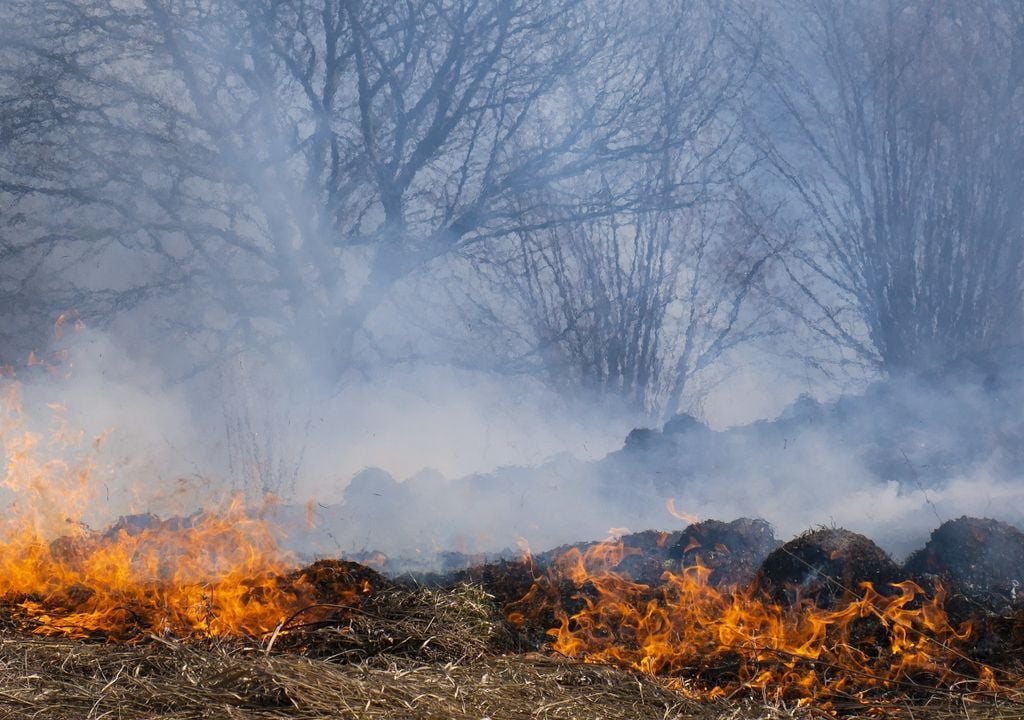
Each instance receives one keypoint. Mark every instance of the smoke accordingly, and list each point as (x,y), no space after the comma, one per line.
(392,463)
(892,462)
(92,435)
(172,448)
(455,422)
(270,328)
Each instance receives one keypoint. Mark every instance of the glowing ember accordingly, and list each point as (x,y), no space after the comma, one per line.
(715,642)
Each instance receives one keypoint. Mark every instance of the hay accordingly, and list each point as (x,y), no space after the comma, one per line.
(423,624)
(403,653)
(68,679)
(168,680)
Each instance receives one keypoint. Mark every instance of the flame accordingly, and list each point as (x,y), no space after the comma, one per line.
(687,518)
(69,316)
(221,573)
(214,573)
(715,642)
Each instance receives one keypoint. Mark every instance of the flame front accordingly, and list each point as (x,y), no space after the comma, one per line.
(221,573)
(714,642)
(210,574)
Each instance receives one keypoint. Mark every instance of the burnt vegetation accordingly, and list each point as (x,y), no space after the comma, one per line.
(627,203)
(875,625)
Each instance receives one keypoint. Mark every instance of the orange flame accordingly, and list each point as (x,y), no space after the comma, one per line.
(716,642)
(687,518)
(211,574)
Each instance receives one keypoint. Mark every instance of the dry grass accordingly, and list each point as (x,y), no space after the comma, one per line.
(42,678)
(417,653)
(427,624)
(65,679)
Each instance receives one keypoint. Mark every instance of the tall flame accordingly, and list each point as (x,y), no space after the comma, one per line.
(715,642)
(211,574)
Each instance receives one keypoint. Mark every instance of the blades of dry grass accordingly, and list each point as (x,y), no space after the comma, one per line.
(48,678)
(409,653)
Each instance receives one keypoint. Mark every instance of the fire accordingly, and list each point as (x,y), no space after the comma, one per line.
(688,518)
(221,573)
(714,642)
(214,573)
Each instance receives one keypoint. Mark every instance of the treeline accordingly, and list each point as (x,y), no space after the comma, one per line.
(611,195)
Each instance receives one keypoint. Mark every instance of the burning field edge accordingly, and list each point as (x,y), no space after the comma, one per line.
(67,679)
(165,678)
(407,652)
(205,615)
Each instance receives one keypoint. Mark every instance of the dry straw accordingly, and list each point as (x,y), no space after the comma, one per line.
(409,653)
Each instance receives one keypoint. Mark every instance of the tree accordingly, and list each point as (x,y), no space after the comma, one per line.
(633,301)
(280,166)
(635,307)
(900,148)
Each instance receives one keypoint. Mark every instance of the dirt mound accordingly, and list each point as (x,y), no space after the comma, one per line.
(506,580)
(978,559)
(733,551)
(339,581)
(826,566)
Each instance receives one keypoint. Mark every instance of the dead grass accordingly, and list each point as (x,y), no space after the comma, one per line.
(409,653)
(46,678)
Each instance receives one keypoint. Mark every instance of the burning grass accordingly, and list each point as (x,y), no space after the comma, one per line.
(210,575)
(233,678)
(203,616)
(866,646)
(353,644)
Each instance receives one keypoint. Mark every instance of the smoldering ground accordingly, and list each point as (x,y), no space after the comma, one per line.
(892,463)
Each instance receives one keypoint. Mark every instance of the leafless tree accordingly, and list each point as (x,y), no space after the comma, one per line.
(278,167)
(900,140)
(281,165)
(642,293)
(635,307)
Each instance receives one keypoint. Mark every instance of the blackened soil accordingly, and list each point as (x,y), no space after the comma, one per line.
(826,566)
(979,559)
(733,551)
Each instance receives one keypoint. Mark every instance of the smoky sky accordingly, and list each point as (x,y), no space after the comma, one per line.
(467,249)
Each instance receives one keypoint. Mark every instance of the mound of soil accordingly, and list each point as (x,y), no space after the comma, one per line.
(505,580)
(340,581)
(826,566)
(733,551)
(979,561)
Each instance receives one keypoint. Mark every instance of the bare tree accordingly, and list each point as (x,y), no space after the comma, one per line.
(902,147)
(635,299)
(280,166)
(633,307)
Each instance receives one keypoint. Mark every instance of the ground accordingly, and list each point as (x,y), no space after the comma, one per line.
(166,679)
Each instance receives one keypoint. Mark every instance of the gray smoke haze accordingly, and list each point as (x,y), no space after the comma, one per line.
(432,268)
(389,466)
(893,463)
